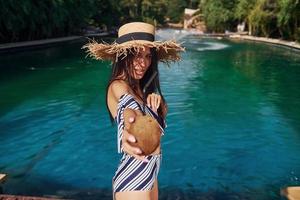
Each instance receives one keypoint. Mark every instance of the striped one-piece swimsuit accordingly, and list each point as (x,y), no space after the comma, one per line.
(133,174)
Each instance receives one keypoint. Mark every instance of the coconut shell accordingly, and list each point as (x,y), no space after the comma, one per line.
(145,129)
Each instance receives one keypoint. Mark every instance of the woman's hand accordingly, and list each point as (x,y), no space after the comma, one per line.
(153,101)
(129,149)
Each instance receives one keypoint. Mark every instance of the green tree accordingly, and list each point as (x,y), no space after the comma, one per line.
(262,18)
(288,19)
(243,9)
(131,10)
(175,10)
(193,4)
(31,19)
(106,13)
(154,11)
(218,14)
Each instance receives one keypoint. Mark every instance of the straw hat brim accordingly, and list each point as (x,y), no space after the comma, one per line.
(166,51)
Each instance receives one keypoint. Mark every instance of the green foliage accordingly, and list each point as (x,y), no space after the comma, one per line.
(218,14)
(268,18)
(297,35)
(194,4)
(151,11)
(176,10)
(106,13)
(243,9)
(288,18)
(131,10)
(262,18)
(33,19)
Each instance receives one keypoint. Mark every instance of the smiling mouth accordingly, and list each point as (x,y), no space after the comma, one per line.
(140,73)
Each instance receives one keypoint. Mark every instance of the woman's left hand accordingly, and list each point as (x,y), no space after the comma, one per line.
(153,101)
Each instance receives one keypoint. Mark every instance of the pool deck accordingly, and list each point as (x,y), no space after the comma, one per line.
(7,47)
(290,44)
(17,45)
(17,197)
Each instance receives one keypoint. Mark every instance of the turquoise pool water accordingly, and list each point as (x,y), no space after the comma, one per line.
(233,124)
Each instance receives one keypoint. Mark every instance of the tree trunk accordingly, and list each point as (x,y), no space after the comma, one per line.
(250,28)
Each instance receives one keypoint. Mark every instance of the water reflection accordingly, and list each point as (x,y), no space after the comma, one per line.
(226,114)
(233,123)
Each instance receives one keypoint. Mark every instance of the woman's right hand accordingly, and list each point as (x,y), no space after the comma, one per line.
(128,148)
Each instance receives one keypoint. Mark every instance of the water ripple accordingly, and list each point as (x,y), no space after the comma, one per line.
(212,46)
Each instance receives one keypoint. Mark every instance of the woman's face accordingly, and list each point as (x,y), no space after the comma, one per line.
(141,63)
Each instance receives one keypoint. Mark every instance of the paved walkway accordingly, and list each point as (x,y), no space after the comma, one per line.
(8,46)
(17,197)
(293,45)
(45,42)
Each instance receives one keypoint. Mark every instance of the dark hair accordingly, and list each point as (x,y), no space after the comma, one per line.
(125,66)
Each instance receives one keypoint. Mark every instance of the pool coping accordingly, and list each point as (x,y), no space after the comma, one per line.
(290,44)
(21,46)
(23,197)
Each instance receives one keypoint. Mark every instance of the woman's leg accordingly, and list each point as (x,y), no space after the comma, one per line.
(154,191)
(133,195)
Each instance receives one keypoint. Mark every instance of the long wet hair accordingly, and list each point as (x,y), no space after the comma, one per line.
(124,68)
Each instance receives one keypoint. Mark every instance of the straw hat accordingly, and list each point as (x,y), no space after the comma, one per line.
(133,37)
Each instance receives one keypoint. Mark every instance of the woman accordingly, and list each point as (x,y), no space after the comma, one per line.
(135,82)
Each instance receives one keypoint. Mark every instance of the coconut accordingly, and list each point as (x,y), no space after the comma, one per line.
(145,129)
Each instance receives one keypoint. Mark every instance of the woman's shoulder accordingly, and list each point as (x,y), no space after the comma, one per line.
(118,88)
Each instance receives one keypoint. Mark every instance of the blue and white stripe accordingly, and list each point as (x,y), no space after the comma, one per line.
(128,101)
(133,174)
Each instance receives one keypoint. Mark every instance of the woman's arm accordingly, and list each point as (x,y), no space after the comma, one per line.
(117,89)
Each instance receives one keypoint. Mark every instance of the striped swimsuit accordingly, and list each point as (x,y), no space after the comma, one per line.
(133,174)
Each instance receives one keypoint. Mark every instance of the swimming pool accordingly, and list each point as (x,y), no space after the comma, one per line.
(233,124)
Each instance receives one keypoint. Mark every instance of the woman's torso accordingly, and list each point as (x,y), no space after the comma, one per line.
(116,90)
